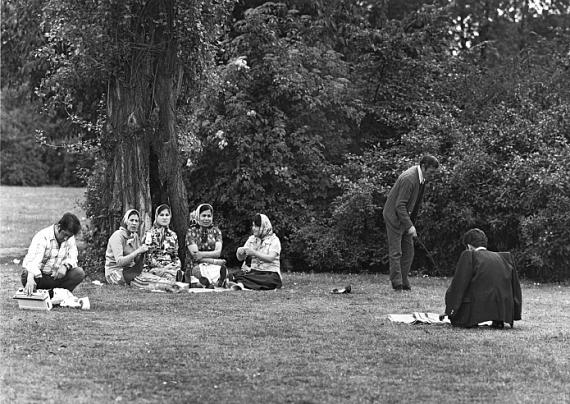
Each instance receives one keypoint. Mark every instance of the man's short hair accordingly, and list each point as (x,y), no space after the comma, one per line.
(428,161)
(475,237)
(69,222)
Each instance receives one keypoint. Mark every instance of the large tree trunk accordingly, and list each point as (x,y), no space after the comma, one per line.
(165,143)
(128,177)
(146,168)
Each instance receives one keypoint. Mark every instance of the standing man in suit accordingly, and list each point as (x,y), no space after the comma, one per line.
(400,212)
(485,286)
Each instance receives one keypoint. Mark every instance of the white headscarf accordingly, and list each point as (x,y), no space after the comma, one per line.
(124,222)
(266,229)
(195,216)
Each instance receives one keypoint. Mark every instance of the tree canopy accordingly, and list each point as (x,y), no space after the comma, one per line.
(308,111)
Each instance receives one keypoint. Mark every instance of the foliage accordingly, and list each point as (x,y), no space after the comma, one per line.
(308,112)
(120,70)
(24,159)
(35,148)
(21,159)
(502,153)
(270,125)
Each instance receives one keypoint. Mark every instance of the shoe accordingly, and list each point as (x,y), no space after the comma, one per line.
(498,325)
(398,288)
(223,276)
(204,281)
(343,290)
(406,287)
(236,286)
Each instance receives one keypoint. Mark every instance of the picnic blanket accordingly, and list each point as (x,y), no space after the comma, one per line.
(418,318)
(207,290)
(148,281)
(424,318)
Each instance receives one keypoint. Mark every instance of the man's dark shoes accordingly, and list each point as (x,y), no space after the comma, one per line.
(406,287)
(398,288)
(498,325)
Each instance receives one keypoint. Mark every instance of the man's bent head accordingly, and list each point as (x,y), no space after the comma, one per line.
(476,238)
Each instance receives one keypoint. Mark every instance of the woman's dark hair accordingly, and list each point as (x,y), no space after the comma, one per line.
(161,208)
(257,220)
(69,222)
(204,208)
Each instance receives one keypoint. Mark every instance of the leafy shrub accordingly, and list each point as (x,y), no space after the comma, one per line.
(20,154)
(270,125)
(24,157)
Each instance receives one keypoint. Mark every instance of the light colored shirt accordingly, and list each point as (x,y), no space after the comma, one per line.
(268,245)
(46,255)
(120,245)
(421,175)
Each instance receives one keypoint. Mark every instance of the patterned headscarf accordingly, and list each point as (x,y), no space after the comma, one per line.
(266,229)
(128,213)
(157,212)
(195,216)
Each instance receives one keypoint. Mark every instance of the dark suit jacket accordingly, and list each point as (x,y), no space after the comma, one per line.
(485,287)
(401,199)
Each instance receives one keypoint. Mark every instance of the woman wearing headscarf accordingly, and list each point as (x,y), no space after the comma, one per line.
(124,250)
(263,248)
(204,243)
(162,242)
(162,262)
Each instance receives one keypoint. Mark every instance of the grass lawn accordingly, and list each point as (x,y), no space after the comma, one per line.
(300,344)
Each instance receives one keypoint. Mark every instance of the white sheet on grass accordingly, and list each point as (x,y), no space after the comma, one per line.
(418,318)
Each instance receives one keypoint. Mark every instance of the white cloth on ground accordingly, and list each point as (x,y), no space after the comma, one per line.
(418,318)
(64,298)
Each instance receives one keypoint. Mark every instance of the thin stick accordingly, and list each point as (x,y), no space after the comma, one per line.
(428,253)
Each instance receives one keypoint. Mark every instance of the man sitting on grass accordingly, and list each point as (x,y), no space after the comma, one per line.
(485,286)
(51,261)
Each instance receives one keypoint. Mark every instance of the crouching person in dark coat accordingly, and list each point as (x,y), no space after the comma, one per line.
(485,286)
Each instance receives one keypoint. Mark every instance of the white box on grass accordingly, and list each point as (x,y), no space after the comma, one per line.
(39,300)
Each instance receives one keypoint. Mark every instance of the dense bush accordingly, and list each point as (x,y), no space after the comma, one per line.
(24,159)
(313,109)
(270,125)
(21,157)
(503,171)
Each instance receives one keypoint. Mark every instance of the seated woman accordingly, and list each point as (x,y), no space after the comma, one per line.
(264,249)
(204,242)
(162,262)
(124,255)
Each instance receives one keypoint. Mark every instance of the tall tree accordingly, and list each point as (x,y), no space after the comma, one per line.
(134,63)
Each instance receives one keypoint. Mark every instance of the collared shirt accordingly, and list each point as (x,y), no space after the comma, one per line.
(421,175)
(46,255)
(268,246)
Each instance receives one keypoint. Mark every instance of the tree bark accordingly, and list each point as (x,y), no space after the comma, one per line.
(128,176)
(166,143)
(146,170)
